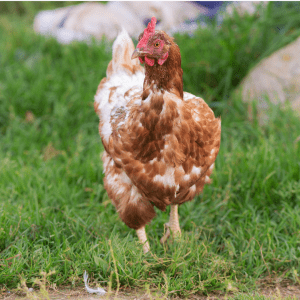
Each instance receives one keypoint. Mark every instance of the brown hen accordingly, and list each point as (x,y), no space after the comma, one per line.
(160,142)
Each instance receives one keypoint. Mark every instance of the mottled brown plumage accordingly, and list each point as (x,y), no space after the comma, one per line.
(160,142)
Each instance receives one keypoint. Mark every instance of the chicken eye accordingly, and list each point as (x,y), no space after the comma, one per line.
(156,44)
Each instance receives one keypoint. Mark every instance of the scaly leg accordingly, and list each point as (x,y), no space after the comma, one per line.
(173,224)
(141,233)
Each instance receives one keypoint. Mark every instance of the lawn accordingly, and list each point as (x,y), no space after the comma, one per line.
(243,231)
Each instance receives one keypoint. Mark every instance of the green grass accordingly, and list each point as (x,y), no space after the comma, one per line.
(55,213)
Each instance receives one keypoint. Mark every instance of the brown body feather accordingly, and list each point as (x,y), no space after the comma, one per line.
(160,144)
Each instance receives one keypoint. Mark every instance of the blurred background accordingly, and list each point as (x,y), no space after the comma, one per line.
(220,41)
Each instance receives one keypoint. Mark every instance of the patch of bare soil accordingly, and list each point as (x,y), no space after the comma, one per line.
(270,292)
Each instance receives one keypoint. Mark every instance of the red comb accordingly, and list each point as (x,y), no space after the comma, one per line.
(147,32)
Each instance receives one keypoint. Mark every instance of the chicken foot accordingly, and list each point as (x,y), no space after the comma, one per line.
(141,233)
(173,224)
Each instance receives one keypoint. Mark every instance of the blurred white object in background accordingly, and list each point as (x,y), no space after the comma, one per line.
(83,21)
(276,79)
(242,7)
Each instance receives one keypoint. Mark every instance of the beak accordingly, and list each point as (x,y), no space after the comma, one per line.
(136,53)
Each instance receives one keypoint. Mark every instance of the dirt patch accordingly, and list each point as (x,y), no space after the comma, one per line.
(280,292)
(74,294)
(270,292)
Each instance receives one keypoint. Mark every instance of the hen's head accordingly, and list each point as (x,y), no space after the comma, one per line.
(152,45)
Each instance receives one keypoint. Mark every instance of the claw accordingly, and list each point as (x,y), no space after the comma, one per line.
(166,235)
(172,225)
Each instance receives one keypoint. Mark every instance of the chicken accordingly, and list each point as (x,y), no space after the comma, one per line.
(160,142)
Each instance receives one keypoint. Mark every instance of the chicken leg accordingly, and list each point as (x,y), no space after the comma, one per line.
(173,224)
(141,233)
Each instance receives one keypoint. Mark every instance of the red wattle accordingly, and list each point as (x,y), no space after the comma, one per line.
(149,61)
(163,59)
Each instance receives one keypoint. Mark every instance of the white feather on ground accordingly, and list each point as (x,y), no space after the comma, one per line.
(98,291)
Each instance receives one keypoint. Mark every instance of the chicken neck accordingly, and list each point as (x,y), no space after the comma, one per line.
(167,76)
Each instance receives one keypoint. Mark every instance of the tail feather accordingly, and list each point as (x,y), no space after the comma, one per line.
(122,50)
